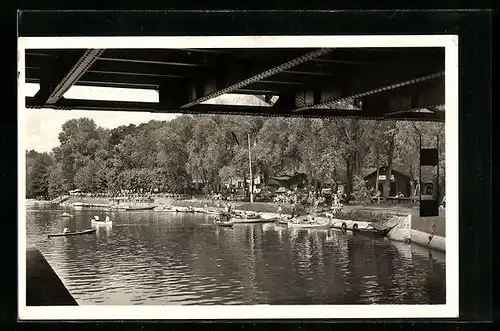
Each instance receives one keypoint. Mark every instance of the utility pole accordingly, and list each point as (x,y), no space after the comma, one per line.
(251,177)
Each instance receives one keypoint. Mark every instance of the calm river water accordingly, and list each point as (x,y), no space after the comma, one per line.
(156,258)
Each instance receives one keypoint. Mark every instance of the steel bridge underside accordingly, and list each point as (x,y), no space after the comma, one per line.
(368,83)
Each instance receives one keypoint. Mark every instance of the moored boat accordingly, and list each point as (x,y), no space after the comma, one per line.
(247,215)
(120,206)
(66,215)
(305,223)
(75,233)
(185,210)
(133,208)
(165,209)
(360,226)
(211,211)
(224,223)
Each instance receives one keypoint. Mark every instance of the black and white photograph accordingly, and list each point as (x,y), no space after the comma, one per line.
(238,177)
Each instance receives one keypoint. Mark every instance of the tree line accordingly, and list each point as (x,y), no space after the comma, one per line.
(214,149)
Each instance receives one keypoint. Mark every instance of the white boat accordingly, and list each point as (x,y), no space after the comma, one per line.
(96,221)
(305,223)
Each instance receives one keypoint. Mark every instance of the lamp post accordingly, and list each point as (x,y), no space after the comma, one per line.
(251,177)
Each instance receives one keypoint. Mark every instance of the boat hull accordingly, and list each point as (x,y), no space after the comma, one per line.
(224,224)
(165,210)
(140,208)
(72,233)
(295,223)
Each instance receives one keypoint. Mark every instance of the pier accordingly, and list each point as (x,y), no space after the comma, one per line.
(43,286)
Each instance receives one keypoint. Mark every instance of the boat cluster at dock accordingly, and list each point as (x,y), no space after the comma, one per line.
(227,218)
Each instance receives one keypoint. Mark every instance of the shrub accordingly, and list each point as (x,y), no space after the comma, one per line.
(360,191)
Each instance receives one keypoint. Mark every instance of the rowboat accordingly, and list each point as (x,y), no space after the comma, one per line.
(120,206)
(97,221)
(284,219)
(221,223)
(76,233)
(185,210)
(306,224)
(166,209)
(246,215)
(140,208)
(66,215)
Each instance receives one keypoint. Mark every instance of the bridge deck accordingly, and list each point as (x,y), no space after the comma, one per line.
(372,83)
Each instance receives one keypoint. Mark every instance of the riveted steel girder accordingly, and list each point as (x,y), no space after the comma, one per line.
(72,76)
(258,77)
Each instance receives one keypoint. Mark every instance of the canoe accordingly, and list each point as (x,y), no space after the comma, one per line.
(140,208)
(76,233)
(66,215)
(226,224)
(316,224)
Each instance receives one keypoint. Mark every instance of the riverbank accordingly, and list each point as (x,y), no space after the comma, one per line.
(36,203)
(417,229)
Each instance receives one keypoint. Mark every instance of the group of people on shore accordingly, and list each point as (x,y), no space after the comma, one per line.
(311,206)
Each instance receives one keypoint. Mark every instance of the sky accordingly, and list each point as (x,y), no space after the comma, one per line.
(43,125)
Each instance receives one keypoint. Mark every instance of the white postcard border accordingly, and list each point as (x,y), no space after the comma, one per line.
(450,309)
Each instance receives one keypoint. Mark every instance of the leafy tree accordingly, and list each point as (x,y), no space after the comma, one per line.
(353,144)
(37,174)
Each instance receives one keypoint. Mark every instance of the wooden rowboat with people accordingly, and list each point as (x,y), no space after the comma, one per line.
(96,221)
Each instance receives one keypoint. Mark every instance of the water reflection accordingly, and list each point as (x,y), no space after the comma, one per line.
(173,258)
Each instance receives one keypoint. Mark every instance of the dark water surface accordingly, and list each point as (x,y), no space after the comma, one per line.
(166,258)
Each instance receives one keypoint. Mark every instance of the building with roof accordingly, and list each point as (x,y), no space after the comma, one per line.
(297,179)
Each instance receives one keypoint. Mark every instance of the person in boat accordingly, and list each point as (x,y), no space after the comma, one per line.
(280,211)
(66,230)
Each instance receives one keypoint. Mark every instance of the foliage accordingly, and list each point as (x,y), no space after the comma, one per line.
(360,191)
(214,150)
(37,174)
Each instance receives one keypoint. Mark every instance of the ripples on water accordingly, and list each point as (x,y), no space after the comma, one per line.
(166,258)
